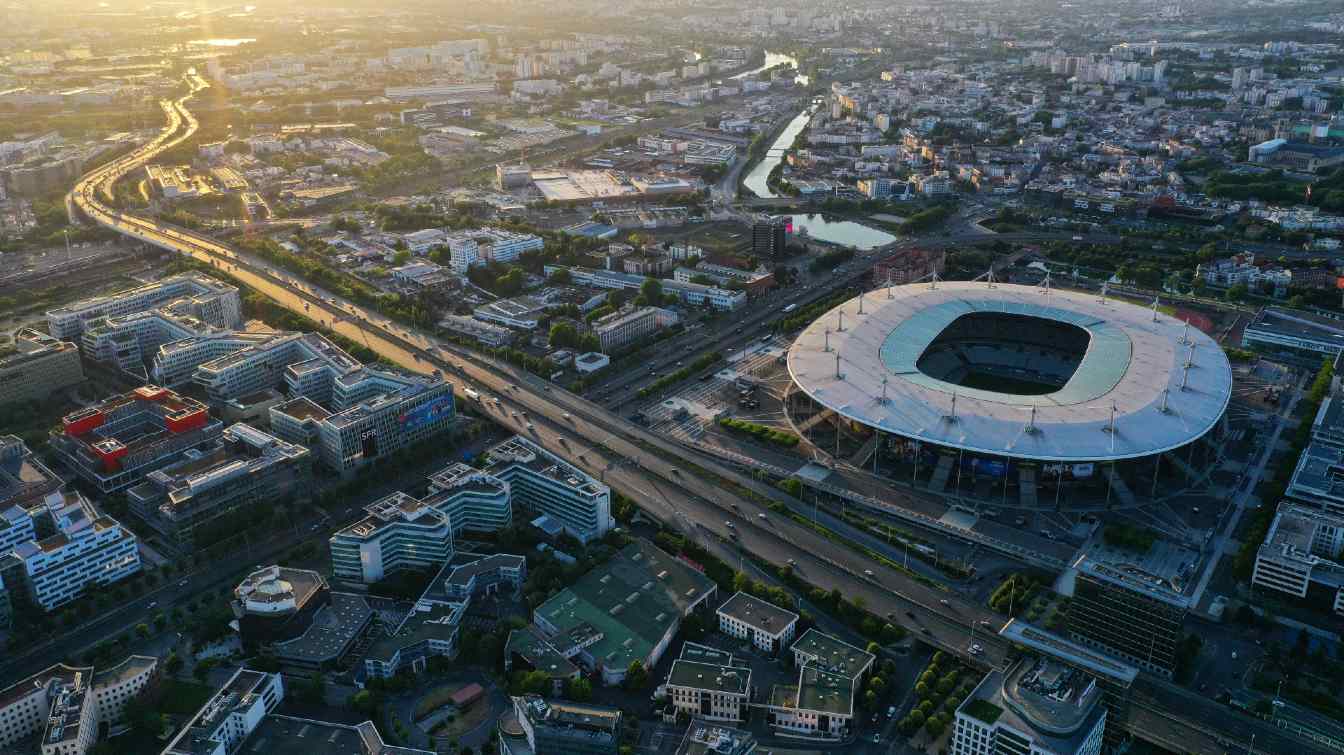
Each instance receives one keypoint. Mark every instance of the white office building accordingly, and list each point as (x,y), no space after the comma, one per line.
(472,499)
(87,548)
(222,725)
(707,683)
(546,484)
(689,294)
(481,245)
(213,301)
(399,532)
(1038,707)
(765,625)
(1300,556)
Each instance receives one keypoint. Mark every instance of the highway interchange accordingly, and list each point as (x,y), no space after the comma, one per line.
(652,470)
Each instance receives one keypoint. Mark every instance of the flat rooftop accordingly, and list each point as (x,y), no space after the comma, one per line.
(1134,363)
(1058,705)
(832,654)
(334,627)
(709,676)
(758,614)
(1054,646)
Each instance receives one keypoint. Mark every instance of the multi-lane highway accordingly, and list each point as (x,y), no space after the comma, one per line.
(649,468)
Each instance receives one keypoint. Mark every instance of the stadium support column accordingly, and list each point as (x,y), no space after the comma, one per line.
(1157,468)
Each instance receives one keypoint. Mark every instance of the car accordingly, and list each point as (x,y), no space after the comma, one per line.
(153,604)
(976,649)
(868,572)
(565,415)
(762,516)
(728,524)
(183,583)
(943,601)
(925,630)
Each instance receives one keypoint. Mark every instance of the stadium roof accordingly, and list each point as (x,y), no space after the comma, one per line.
(1134,363)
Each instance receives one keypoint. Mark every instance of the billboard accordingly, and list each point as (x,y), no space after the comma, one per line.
(427,413)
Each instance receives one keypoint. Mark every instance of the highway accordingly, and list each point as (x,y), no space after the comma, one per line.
(625,455)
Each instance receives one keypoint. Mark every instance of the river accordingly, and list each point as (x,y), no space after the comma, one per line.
(756,179)
(773,59)
(842,232)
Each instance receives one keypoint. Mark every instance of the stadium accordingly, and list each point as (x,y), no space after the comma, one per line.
(979,387)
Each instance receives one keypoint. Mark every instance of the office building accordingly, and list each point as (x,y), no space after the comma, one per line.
(625,610)
(527,650)
(1294,335)
(128,342)
(66,704)
(39,366)
(1318,479)
(115,443)
(432,627)
(1300,556)
(1121,609)
(711,738)
(473,500)
(1039,706)
(767,626)
(399,532)
(230,716)
(298,619)
(556,726)
(86,549)
(690,294)
(821,704)
(769,238)
(213,491)
(233,364)
(382,412)
(706,682)
(546,484)
(625,327)
(478,246)
(212,301)
(24,479)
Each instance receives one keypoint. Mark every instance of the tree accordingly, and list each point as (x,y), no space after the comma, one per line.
(142,630)
(315,689)
(874,648)
(563,336)
(579,690)
(173,665)
(401,257)
(636,676)
(652,291)
(560,277)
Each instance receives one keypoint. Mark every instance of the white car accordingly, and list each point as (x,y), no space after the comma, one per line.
(976,649)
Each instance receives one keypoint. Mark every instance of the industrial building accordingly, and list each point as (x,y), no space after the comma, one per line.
(625,610)
(112,445)
(39,366)
(214,490)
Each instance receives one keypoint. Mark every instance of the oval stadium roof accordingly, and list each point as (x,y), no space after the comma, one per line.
(1132,357)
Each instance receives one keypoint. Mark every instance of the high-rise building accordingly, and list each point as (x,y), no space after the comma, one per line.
(39,366)
(1121,611)
(769,237)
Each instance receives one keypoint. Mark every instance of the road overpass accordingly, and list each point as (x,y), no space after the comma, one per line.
(645,466)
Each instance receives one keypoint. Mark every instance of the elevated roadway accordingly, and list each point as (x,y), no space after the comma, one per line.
(636,462)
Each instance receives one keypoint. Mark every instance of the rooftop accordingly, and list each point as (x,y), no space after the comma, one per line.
(628,602)
(1056,705)
(334,627)
(709,676)
(1054,646)
(541,654)
(283,735)
(832,654)
(429,621)
(757,613)
(1133,366)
